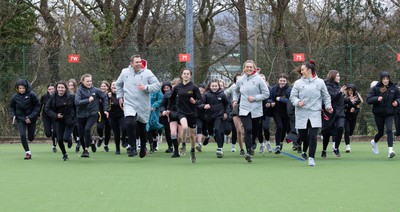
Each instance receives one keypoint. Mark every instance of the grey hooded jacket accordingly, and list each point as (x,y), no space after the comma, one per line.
(255,86)
(135,100)
(312,91)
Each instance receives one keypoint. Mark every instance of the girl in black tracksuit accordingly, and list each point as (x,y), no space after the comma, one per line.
(352,102)
(103,125)
(87,100)
(72,87)
(116,119)
(166,90)
(335,125)
(279,97)
(385,98)
(48,122)
(25,107)
(187,96)
(60,107)
(215,104)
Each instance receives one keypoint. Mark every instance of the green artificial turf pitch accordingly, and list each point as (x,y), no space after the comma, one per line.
(359,181)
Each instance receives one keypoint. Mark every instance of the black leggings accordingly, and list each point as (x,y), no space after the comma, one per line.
(349,126)
(336,131)
(132,128)
(282,127)
(214,125)
(63,134)
(265,122)
(49,126)
(164,121)
(381,122)
(309,138)
(22,127)
(251,127)
(118,125)
(104,126)
(85,127)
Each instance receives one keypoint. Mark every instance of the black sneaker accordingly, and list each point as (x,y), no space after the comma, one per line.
(206,140)
(124,143)
(106,149)
(118,152)
(169,150)
(93,147)
(99,143)
(323,154)
(254,146)
(128,149)
(277,150)
(65,157)
(175,155)
(69,144)
(54,149)
(132,152)
(78,147)
(248,158)
(336,152)
(193,156)
(241,152)
(85,154)
(143,152)
(299,149)
(304,156)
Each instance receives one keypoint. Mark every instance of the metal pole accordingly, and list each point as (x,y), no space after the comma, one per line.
(189,36)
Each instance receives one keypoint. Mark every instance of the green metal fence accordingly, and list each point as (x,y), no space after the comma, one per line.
(357,64)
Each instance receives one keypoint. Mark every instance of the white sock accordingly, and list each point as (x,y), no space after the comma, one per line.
(29,152)
(390,148)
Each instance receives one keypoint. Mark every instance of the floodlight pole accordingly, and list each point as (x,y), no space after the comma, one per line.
(189,36)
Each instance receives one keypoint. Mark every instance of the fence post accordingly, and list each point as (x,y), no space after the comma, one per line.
(24,61)
(351,64)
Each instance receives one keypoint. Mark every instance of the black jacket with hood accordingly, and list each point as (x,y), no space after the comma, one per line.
(391,94)
(84,108)
(64,105)
(26,104)
(218,104)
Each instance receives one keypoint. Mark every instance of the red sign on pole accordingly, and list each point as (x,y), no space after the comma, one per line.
(298,57)
(398,57)
(184,58)
(74,58)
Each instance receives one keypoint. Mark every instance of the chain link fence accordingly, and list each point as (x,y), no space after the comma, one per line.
(357,64)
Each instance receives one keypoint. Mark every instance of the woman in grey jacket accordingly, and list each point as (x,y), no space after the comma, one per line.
(252,90)
(307,95)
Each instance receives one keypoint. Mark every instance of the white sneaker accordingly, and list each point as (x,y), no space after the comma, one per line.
(219,153)
(262,147)
(391,153)
(233,148)
(374,146)
(269,147)
(311,161)
(348,149)
(159,138)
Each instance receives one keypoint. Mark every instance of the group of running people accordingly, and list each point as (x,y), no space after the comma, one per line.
(137,108)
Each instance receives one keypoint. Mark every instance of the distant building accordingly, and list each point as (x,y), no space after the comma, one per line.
(224,72)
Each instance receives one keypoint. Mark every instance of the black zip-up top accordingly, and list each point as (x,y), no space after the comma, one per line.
(84,108)
(218,104)
(43,101)
(182,94)
(337,98)
(384,107)
(115,110)
(26,104)
(348,105)
(61,104)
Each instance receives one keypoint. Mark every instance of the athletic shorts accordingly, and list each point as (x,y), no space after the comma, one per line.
(190,120)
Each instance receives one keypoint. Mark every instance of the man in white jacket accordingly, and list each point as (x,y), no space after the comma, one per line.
(134,86)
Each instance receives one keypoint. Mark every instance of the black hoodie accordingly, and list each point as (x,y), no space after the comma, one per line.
(218,104)
(26,104)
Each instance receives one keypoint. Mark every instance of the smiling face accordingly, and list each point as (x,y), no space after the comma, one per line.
(249,68)
(186,75)
(136,63)
(282,82)
(113,87)
(104,87)
(87,82)
(61,89)
(306,72)
(71,87)
(21,89)
(214,86)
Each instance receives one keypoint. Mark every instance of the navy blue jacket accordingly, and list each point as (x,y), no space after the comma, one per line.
(84,108)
